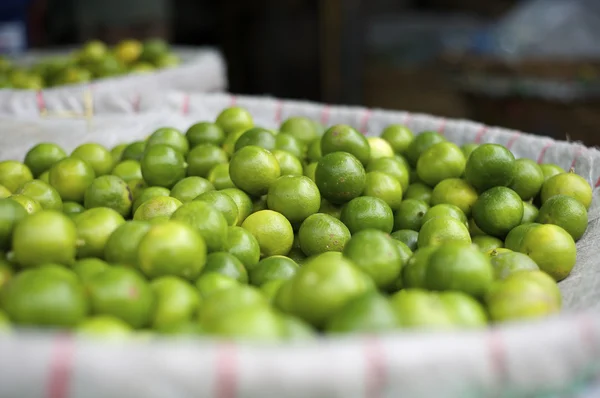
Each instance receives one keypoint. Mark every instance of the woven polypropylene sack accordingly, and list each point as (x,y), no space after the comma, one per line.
(554,357)
(202,70)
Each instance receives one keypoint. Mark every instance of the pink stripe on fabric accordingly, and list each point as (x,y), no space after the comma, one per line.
(40,102)
(513,139)
(185,106)
(575,157)
(227,372)
(407,118)
(442,126)
(61,363)
(136,103)
(597,183)
(375,368)
(233,100)
(364,123)
(480,134)
(325,112)
(497,355)
(278,111)
(587,332)
(543,151)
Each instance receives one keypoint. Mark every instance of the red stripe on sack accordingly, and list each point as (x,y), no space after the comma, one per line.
(512,140)
(278,111)
(587,332)
(375,368)
(137,100)
(60,367)
(543,151)
(597,183)
(40,102)
(442,127)
(185,106)
(233,100)
(575,157)
(226,378)
(325,115)
(480,134)
(407,118)
(364,123)
(497,355)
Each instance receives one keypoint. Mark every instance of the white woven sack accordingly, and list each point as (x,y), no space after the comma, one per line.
(554,357)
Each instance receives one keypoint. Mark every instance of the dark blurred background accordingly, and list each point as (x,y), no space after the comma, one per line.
(431,56)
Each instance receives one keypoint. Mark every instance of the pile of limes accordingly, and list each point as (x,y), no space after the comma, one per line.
(92,61)
(240,231)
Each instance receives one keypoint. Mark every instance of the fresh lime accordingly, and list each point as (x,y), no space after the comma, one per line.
(367,313)
(169,136)
(419,191)
(256,136)
(393,167)
(385,187)
(205,133)
(254,169)
(441,230)
(177,302)
(439,162)
(296,197)
(528,179)
(570,184)
(420,144)
(94,227)
(409,215)
(163,166)
(203,158)
(226,264)
(566,212)
(340,177)
(122,245)
(157,206)
(147,194)
(128,170)
(272,230)
(508,263)
(243,245)
(234,119)
(398,136)
(98,157)
(343,138)
(71,177)
(288,163)
(497,211)
(43,156)
(407,236)
(457,192)
(109,191)
(273,268)
(223,203)
(490,165)
(366,212)
(321,233)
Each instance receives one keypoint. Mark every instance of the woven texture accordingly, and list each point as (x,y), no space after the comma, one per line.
(554,357)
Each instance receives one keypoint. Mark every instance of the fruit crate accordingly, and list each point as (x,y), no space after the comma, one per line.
(558,356)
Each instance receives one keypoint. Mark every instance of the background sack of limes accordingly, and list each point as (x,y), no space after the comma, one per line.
(555,357)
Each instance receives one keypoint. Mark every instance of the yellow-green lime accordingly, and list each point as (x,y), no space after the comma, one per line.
(190,188)
(407,236)
(210,282)
(98,157)
(465,311)
(566,212)
(368,313)
(72,208)
(234,119)
(163,166)
(457,192)
(220,178)
(528,178)
(313,153)
(94,227)
(208,221)
(385,187)
(288,163)
(177,302)
(419,191)
(445,209)
(296,197)
(226,264)
(420,309)
(272,269)
(122,245)
(169,136)
(321,233)
(570,184)
(147,194)
(157,206)
(508,263)
(222,202)
(443,229)
(43,193)
(420,144)
(550,170)
(256,136)
(205,133)
(109,191)
(11,213)
(393,167)
(439,162)
(486,243)
(340,177)
(288,143)
(202,158)
(43,156)
(530,213)
(409,214)
(301,128)
(134,151)
(272,230)
(490,165)
(242,201)
(398,136)
(380,148)
(128,170)
(253,170)
(367,212)
(497,211)
(71,177)
(343,138)
(14,174)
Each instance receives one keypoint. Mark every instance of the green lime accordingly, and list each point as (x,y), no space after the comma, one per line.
(122,245)
(117,153)
(310,170)
(385,187)
(190,188)
(45,176)
(419,191)
(220,178)
(490,165)
(136,187)
(256,136)
(528,178)
(321,233)
(407,236)
(98,157)
(5,193)
(508,263)
(439,162)
(147,194)
(134,151)
(566,212)
(128,170)
(226,264)
(205,133)
(283,299)
(550,170)
(485,243)
(242,244)
(497,211)
(393,167)
(269,289)
(243,202)
(515,236)
(47,236)
(288,143)
(444,210)
(457,192)
(420,144)
(109,191)
(230,141)
(123,293)
(296,197)
(288,163)
(340,177)
(530,213)
(88,267)
(43,156)
(203,158)
(398,136)
(380,148)
(222,302)
(465,311)
(468,149)
(367,212)
(169,136)
(272,230)
(313,153)
(29,204)
(301,128)
(208,221)
(523,295)
(375,253)
(409,215)
(94,227)
(45,297)
(273,268)
(296,329)
(162,166)
(552,248)
(43,193)
(177,301)
(343,138)
(253,170)
(71,177)
(367,313)
(14,174)
(570,184)
(211,282)
(104,327)
(257,323)
(157,206)
(11,213)
(443,229)
(234,119)
(223,203)
(416,308)
(460,267)
(324,285)
(72,208)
